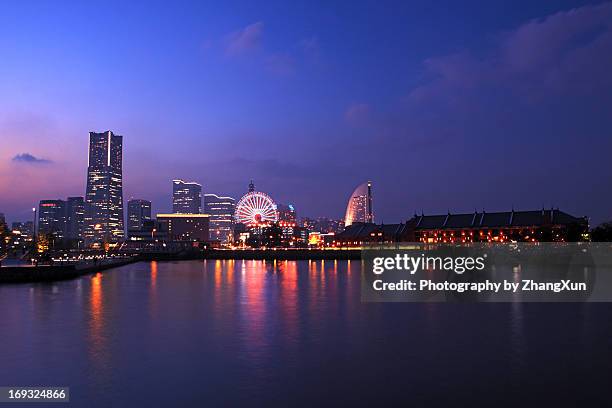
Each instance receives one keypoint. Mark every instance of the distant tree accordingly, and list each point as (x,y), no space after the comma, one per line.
(602,233)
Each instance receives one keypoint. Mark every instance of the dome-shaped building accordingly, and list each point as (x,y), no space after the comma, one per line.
(359,207)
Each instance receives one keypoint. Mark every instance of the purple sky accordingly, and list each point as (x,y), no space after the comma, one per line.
(453,105)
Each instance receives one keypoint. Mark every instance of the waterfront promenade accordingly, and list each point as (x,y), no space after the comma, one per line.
(57,272)
(64,271)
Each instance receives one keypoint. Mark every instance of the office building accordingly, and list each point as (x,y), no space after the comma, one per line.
(25,229)
(139,212)
(104,196)
(186,197)
(75,218)
(52,219)
(221,211)
(287,213)
(184,227)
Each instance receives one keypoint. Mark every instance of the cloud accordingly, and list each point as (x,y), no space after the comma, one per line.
(357,114)
(28,158)
(566,53)
(244,40)
(279,62)
(531,113)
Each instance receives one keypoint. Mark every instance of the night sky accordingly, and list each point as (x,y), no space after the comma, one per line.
(457,105)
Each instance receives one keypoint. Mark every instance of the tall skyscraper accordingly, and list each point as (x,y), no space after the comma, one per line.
(359,207)
(139,211)
(104,197)
(3,225)
(52,219)
(221,211)
(186,197)
(75,218)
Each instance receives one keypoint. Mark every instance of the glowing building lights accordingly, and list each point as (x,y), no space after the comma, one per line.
(104,195)
(359,207)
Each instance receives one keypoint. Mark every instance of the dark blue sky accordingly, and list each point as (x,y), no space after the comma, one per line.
(452,105)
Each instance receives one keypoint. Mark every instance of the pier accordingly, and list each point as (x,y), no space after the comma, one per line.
(58,272)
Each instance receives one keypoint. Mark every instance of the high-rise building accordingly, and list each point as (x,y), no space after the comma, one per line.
(139,211)
(104,197)
(52,219)
(221,212)
(323,225)
(359,207)
(75,218)
(186,197)
(287,213)
(3,228)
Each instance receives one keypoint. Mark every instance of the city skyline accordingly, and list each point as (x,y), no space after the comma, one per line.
(471,115)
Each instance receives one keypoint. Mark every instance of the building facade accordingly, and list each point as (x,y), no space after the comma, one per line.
(104,196)
(25,229)
(186,197)
(323,225)
(52,219)
(139,212)
(221,211)
(287,213)
(184,227)
(75,218)
(359,206)
(543,225)
(511,226)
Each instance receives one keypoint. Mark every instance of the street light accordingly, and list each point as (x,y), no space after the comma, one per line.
(34,247)
(34,225)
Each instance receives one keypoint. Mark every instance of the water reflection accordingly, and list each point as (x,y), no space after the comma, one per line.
(153,300)
(244,332)
(252,310)
(97,336)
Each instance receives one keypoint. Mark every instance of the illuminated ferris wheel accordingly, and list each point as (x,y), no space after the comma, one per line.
(256,208)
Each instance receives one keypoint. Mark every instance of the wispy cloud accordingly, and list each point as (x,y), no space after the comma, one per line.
(244,40)
(357,114)
(248,41)
(30,159)
(568,52)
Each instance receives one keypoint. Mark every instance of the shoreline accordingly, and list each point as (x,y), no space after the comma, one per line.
(53,273)
(254,254)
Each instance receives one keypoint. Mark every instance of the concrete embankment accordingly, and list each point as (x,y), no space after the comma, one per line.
(49,273)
